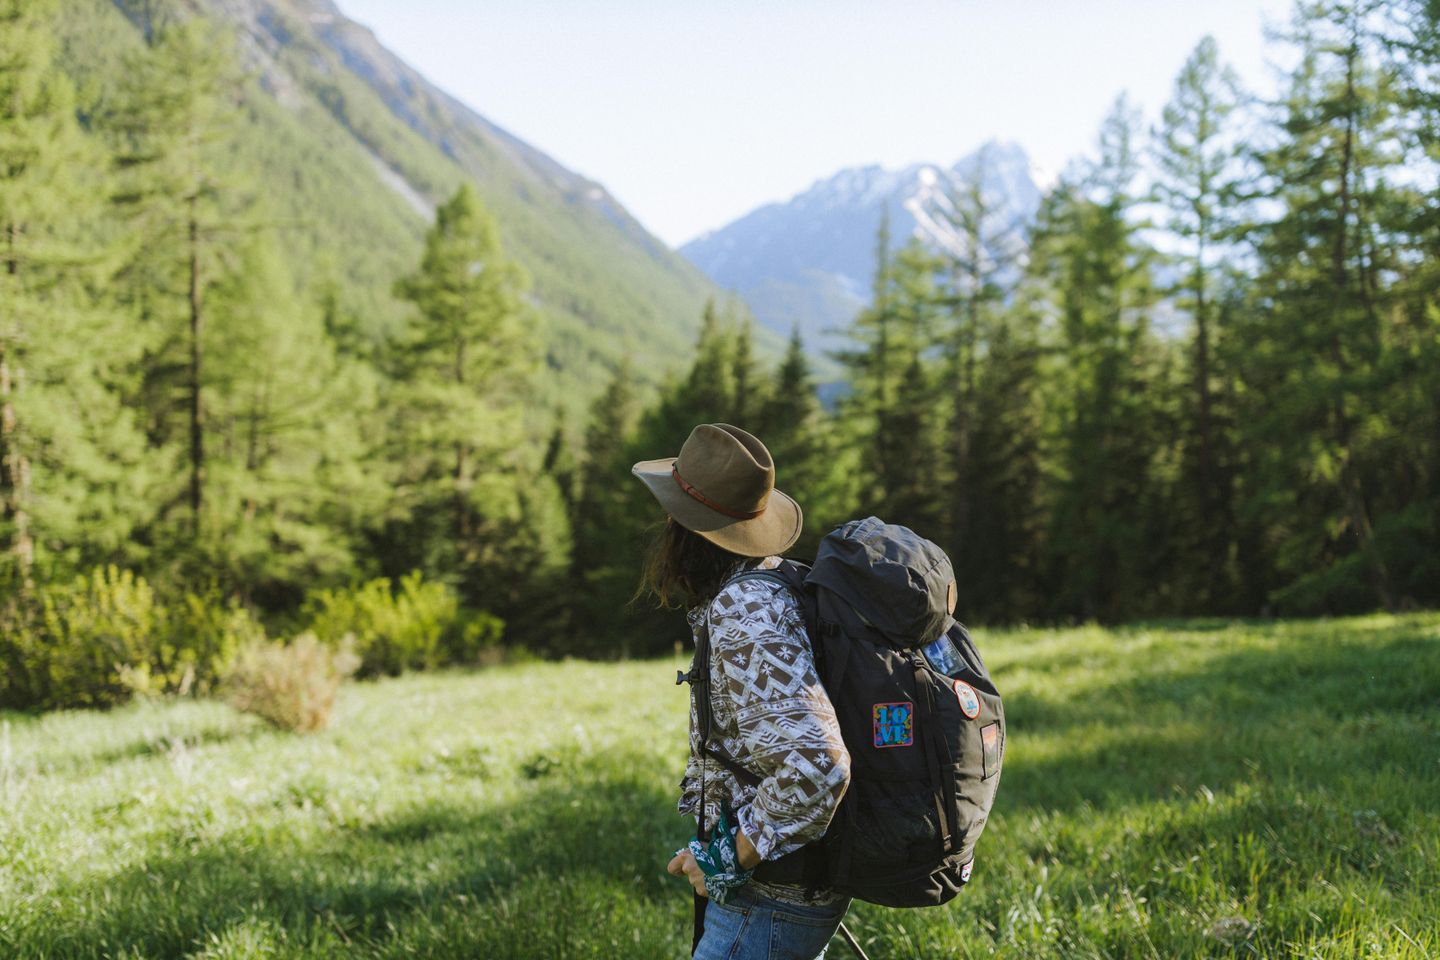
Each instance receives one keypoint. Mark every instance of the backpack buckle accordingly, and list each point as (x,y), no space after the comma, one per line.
(681,677)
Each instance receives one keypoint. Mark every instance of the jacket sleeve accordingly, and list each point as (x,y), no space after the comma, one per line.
(786,723)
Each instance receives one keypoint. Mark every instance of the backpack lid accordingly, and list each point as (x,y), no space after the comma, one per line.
(895,579)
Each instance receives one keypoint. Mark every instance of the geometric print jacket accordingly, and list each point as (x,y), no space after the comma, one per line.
(770,716)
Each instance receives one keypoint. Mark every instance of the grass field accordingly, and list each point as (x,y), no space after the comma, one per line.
(1197,789)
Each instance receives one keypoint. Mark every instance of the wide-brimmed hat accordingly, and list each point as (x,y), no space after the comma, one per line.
(722,486)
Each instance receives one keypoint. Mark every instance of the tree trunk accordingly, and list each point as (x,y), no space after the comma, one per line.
(14,475)
(1352,488)
(464,521)
(197,408)
(1212,504)
(14,465)
(1202,382)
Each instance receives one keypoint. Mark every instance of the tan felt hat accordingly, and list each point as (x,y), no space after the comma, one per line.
(722,486)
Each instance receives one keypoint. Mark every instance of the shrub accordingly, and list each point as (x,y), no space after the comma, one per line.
(102,638)
(92,639)
(418,626)
(291,685)
(474,638)
(199,638)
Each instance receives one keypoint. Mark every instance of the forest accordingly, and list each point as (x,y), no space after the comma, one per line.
(1205,382)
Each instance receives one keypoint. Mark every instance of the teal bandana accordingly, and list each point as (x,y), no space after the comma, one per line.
(720,861)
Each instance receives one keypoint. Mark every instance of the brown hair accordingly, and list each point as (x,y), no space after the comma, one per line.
(682,568)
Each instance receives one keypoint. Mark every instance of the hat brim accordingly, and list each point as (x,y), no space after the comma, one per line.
(773,532)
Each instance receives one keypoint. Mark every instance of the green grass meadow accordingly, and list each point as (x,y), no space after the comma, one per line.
(1193,789)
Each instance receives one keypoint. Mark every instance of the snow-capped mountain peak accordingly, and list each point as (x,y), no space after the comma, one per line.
(808,262)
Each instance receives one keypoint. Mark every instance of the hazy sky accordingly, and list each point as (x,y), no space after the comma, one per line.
(693,112)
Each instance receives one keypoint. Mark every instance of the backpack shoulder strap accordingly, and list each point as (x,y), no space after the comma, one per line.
(773,576)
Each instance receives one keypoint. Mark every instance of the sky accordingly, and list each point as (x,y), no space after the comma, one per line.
(694,112)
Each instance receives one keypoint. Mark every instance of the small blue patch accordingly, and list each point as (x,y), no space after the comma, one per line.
(968,698)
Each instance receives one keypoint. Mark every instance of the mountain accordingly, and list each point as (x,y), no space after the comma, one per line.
(809,262)
(351,149)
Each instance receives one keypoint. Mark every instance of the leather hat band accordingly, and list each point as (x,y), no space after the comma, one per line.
(719,508)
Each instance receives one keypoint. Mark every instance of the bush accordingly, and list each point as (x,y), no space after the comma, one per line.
(291,685)
(417,627)
(103,638)
(474,638)
(202,635)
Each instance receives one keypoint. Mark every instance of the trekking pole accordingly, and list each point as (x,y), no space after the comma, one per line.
(850,939)
(699,924)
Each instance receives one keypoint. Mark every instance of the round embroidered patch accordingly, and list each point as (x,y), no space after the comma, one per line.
(969,699)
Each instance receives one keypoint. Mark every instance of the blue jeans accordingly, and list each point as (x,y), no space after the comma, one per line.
(753,927)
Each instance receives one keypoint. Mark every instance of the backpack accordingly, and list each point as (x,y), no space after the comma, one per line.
(925,744)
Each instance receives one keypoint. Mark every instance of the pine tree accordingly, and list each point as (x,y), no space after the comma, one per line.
(1409,35)
(709,390)
(869,361)
(607,517)
(457,434)
(1409,31)
(892,412)
(170,119)
(62,429)
(984,250)
(808,465)
(1314,344)
(1106,542)
(744,375)
(999,563)
(289,492)
(706,394)
(1196,159)
(787,419)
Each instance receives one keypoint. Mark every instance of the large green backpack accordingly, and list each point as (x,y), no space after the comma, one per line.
(926,739)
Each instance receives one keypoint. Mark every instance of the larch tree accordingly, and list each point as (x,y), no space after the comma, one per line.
(607,518)
(893,412)
(705,394)
(291,482)
(1088,243)
(809,463)
(745,375)
(983,249)
(62,428)
(1315,338)
(168,123)
(459,367)
(1196,154)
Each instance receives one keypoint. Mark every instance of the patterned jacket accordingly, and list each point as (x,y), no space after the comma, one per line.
(770,715)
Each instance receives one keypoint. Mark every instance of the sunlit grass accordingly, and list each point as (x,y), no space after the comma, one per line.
(1204,789)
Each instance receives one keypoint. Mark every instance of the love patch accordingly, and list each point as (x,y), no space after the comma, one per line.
(894,724)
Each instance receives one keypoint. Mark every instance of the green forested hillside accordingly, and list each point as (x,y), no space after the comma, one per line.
(351,150)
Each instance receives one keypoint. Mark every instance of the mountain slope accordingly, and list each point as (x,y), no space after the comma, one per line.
(352,149)
(808,262)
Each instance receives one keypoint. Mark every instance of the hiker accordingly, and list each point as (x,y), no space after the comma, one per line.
(776,766)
